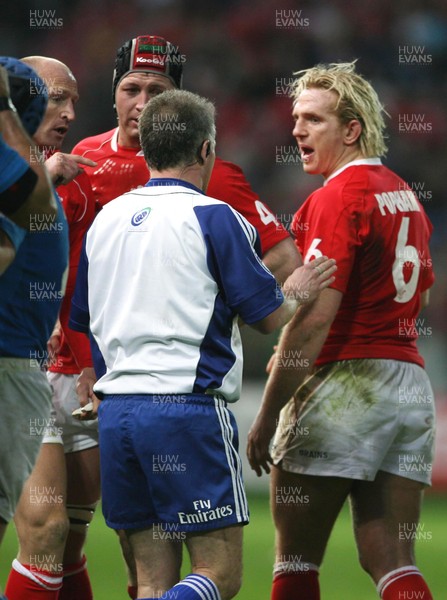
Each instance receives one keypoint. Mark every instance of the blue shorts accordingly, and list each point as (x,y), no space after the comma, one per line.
(170,459)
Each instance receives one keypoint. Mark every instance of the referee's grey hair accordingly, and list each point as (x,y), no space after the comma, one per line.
(173,127)
(357,99)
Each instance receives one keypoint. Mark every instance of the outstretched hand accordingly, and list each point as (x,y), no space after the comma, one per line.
(63,168)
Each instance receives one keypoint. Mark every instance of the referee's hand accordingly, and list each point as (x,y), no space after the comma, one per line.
(306,282)
(89,402)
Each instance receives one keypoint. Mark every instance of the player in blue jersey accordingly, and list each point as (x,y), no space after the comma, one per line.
(17,181)
(24,186)
(177,269)
(68,461)
(31,289)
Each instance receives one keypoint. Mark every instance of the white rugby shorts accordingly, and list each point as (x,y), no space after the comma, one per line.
(353,418)
(64,429)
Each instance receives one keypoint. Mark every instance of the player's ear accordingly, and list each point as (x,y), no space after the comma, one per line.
(353,132)
(204,151)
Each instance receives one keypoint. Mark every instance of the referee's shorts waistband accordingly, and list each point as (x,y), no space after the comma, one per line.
(168,398)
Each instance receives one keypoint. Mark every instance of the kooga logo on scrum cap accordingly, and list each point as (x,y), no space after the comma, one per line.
(140,216)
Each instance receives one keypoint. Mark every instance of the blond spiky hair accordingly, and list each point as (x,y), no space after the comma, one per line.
(357,99)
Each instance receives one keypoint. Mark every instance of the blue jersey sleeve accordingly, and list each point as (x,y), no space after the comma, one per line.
(80,315)
(245,283)
(15,233)
(13,166)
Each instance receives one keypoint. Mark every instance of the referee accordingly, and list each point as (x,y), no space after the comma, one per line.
(165,275)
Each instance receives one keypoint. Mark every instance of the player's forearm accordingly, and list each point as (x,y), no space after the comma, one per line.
(425,299)
(282,259)
(41,200)
(303,286)
(7,252)
(299,346)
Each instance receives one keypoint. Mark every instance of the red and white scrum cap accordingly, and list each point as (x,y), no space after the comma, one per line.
(150,54)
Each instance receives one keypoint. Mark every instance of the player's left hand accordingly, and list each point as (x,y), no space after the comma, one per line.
(258,443)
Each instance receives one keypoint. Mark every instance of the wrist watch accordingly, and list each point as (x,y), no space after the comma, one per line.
(6,104)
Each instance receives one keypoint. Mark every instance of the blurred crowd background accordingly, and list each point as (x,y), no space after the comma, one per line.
(242,55)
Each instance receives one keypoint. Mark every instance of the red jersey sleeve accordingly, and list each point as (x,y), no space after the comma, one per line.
(79,207)
(228,183)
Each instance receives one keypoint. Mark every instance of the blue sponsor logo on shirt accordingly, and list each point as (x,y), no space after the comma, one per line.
(140,216)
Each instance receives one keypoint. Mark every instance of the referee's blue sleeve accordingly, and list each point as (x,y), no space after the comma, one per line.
(245,283)
(98,361)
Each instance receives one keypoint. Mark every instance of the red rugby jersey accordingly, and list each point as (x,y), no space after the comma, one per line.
(370,221)
(79,207)
(122,169)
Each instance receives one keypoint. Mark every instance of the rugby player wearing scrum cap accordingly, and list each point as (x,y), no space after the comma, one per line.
(145,67)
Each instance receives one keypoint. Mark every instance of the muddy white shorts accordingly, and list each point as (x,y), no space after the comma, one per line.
(64,429)
(353,418)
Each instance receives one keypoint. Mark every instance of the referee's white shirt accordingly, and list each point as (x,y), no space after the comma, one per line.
(165,272)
